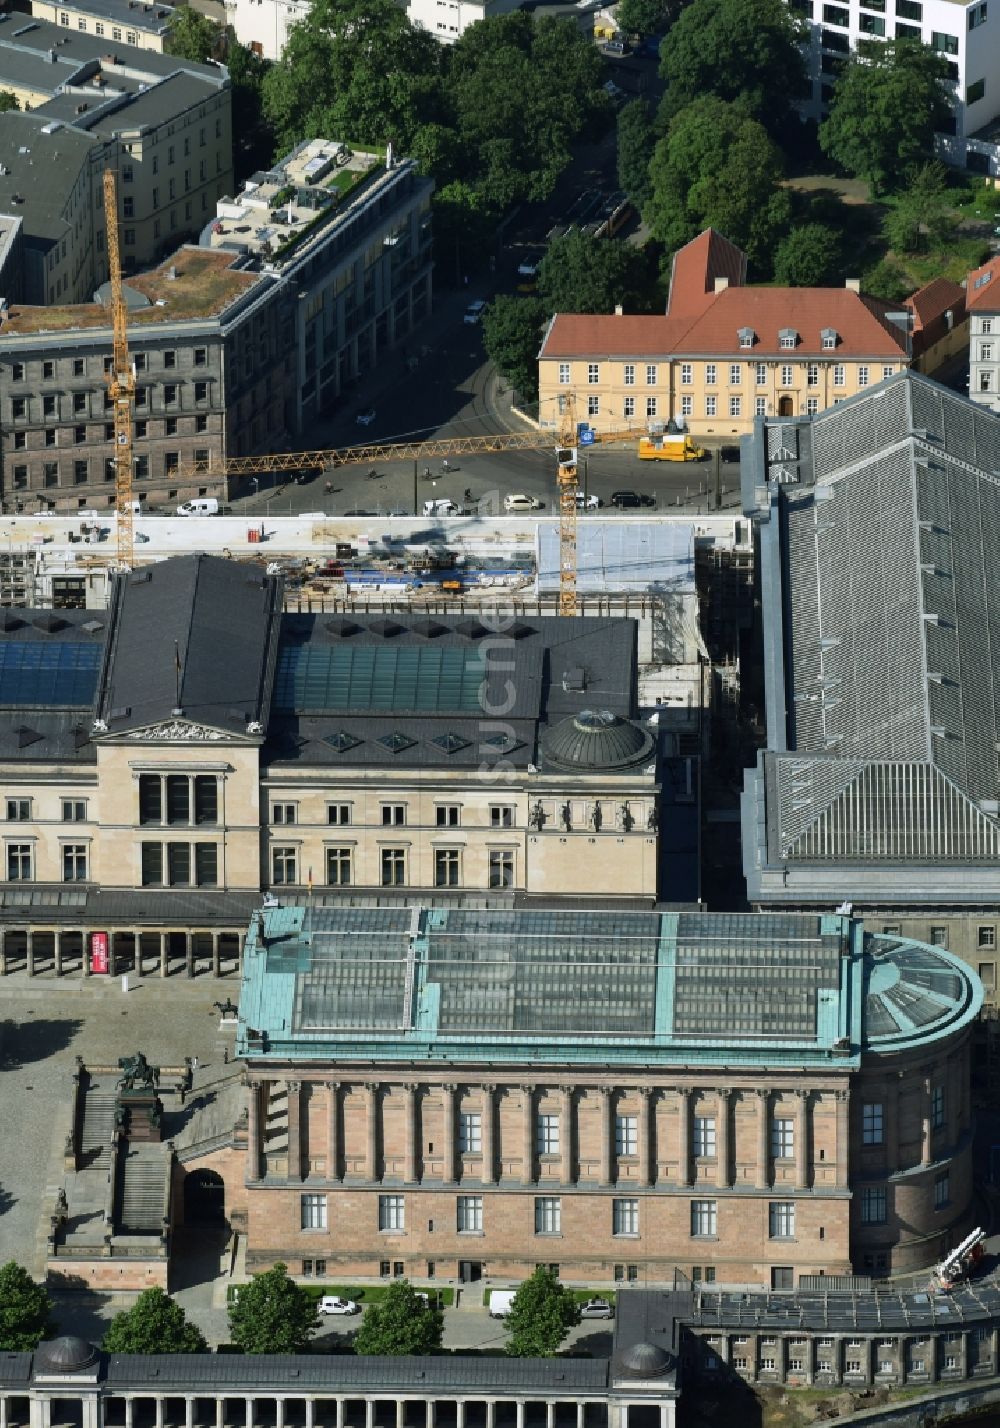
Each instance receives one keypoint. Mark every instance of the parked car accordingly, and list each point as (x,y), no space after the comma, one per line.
(365,417)
(528,269)
(333,1304)
(441,507)
(588,503)
(474,312)
(729,453)
(518,503)
(597,1309)
(626,500)
(617,47)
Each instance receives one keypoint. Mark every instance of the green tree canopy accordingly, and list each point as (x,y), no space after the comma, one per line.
(888,102)
(25,1310)
(584,274)
(807,257)
(253,141)
(922,217)
(736,49)
(272,1315)
(8,100)
(541,1316)
(402,1322)
(886,280)
(512,335)
(646,17)
(193,36)
(155,1324)
(716,167)
(636,141)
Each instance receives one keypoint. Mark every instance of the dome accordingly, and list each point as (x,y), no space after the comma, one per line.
(67,1354)
(598,740)
(644,1360)
(914,993)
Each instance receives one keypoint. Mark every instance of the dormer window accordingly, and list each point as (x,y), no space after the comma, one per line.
(787,338)
(747,337)
(829,339)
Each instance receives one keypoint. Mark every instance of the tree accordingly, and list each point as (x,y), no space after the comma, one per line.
(253,139)
(193,36)
(403,1322)
(736,49)
(886,280)
(541,1316)
(272,1315)
(888,102)
(922,218)
(645,17)
(25,1310)
(512,335)
(584,274)
(155,1324)
(8,100)
(636,141)
(717,168)
(808,256)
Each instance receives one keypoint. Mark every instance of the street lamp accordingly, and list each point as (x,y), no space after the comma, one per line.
(255,483)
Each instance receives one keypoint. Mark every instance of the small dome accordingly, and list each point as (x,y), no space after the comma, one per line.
(596,739)
(67,1354)
(644,1360)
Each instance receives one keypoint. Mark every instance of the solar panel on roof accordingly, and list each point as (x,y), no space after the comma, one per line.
(43,672)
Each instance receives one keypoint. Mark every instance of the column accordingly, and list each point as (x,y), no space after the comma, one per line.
(448,1174)
(645,1092)
(294,1089)
(891,1123)
(566,1134)
(606,1132)
(460,1413)
(189,953)
(371,1140)
(253,1131)
(763,1140)
(550,1415)
(217,957)
(58,954)
(722,1149)
(489,1170)
(802,1140)
(30,943)
(926,1128)
(333,1130)
(164,952)
(340,1412)
(279,1413)
(580,1413)
(310,1413)
(519,1408)
(843,1138)
(129,1413)
(369,1413)
(137,950)
(527,1139)
(430,1415)
(3,952)
(410,1137)
(683,1135)
(491,1413)
(188,1412)
(400,1413)
(158,1401)
(220,1413)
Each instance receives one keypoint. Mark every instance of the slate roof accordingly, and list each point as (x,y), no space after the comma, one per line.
(217,618)
(880,555)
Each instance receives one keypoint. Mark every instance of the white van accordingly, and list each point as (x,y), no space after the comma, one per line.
(501,1302)
(441,507)
(201,506)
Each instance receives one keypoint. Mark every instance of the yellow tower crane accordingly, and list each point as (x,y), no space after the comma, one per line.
(121,382)
(566,485)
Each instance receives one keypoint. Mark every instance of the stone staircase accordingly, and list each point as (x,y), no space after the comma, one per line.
(142,1192)
(98,1127)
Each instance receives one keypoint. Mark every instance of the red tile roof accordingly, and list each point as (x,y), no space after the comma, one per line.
(982,288)
(695,269)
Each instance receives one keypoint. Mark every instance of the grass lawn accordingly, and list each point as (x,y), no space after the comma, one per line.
(363,1294)
(580,1295)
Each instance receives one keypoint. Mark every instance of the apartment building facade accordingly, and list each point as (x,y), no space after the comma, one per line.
(725,354)
(130,22)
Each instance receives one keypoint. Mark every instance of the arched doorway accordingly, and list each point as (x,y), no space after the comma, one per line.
(204,1200)
(785,406)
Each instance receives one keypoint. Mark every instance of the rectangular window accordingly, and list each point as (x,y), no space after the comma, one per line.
(501,868)
(19,862)
(393,815)
(862,376)
(447,867)
(593,406)
(593,373)
(873,1203)
(19,407)
(470,1133)
(760,374)
(548,1215)
(650,406)
(872,1123)
(625,1217)
(74,810)
(735,373)
(704,1135)
(651,374)
(312,1212)
(284,866)
(942,1191)
(502,815)
(986,325)
(628,408)
(18,810)
(449,815)
(393,867)
(812,406)
(284,813)
(338,867)
(201,391)
(687,374)
(786,375)
(760,406)
(988,975)
(704,1220)
(629,372)
(781,1219)
(939,937)
(392,1212)
(626,1135)
(710,406)
(564,374)
(937,1107)
(338,813)
(74,863)
(812,375)
(975,92)
(887,372)
(178,798)
(839,374)
(787,340)
(735,406)
(985,355)
(470,1214)
(782,1139)
(710,374)
(547,1134)
(687,406)
(910,9)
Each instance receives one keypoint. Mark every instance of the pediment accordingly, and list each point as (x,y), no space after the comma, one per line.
(169,731)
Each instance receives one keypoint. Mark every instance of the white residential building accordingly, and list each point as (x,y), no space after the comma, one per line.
(447,19)
(982,302)
(264,25)
(966,33)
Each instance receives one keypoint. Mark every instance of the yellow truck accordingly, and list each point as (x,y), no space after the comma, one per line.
(670,446)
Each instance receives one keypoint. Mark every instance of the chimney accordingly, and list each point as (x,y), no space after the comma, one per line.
(721,284)
(853,285)
(619,310)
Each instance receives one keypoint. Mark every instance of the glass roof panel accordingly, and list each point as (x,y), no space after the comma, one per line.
(34,672)
(378,678)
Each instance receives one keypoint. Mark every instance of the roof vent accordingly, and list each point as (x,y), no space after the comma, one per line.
(122,712)
(140,577)
(396,742)
(48,622)
(92,627)
(26,736)
(450,743)
(9,621)
(574,680)
(342,742)
(388,629)
(344,628)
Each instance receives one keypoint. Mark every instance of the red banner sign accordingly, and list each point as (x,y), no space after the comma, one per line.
(99,961)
